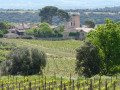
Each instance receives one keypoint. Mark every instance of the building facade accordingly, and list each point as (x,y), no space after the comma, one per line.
(74,26)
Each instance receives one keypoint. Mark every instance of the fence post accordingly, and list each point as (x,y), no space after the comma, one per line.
(35,84)
(91,88)
(73,85)
(2,85)
(39,88)
(19,86)
(49,85)
(99,85)
(45,82)
(114,85)
(61,83)
(64,87)
(106,85)
(29,85)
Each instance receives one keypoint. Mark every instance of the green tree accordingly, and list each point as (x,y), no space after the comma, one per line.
(3,28)
(90,23)
(30,31)
(47,14)
(118,23)
(61,28)
(45,30)
(107,39)
(90,34)
(3,25)
(58,33)
(88,60)
(23,61)
(63,15)
(38,60)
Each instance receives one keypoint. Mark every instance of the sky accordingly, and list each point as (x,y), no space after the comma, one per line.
(63,4)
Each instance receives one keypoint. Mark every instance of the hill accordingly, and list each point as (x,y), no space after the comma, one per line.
(32,16)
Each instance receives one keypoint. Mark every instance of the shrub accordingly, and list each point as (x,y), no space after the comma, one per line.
(88,61)
(23,61)
(72,34)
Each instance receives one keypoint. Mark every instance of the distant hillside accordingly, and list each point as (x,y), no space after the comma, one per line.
(17,17)
(32,16)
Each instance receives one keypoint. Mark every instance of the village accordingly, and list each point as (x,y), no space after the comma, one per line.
(18,30)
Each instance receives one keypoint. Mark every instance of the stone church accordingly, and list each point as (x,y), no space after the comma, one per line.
(74,26)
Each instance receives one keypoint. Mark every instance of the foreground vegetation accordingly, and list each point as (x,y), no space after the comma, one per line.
(60,54)
(58,83)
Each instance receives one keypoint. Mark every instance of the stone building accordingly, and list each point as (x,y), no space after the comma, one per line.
(74,26)
(17,31)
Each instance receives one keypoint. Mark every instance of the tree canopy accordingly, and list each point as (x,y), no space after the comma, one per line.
(45,30)
(47,13)
(90,23)
(107,39)
(23,61)
(88,60)
(3,28)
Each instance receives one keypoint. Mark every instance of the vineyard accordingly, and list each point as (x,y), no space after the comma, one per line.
(56,83)
(60,54)
(56,75)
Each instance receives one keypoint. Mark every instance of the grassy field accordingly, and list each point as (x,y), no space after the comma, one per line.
(60,63)
(60,54)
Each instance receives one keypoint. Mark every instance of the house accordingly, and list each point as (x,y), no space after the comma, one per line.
(18,30)
(74,26)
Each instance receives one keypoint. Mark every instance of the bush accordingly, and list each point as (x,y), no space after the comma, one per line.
(1,35)
(72,34)
(23,61)
(114,70)
(88,61)
(60,35)
(90,23)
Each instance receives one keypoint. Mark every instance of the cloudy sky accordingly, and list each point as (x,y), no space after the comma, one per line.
(63,4)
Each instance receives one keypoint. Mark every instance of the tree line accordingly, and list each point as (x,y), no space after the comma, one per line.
(29,17)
